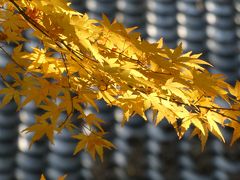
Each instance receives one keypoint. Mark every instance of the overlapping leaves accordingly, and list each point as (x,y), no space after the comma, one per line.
(80,60)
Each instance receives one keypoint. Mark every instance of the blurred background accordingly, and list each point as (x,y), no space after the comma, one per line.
(143,152)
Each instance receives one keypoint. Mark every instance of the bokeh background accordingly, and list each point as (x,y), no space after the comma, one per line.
(144,152)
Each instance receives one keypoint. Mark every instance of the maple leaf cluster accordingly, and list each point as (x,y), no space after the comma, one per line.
(80,60)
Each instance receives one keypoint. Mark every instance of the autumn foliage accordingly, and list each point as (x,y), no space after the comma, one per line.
(79,60)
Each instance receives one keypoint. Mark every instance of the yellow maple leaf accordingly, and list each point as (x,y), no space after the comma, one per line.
(10,93)
(92,120)
(40,129)
(60,178)
(93,143)
(203,137)
(53,111)
(236,133)
(42,177)
(236,90)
